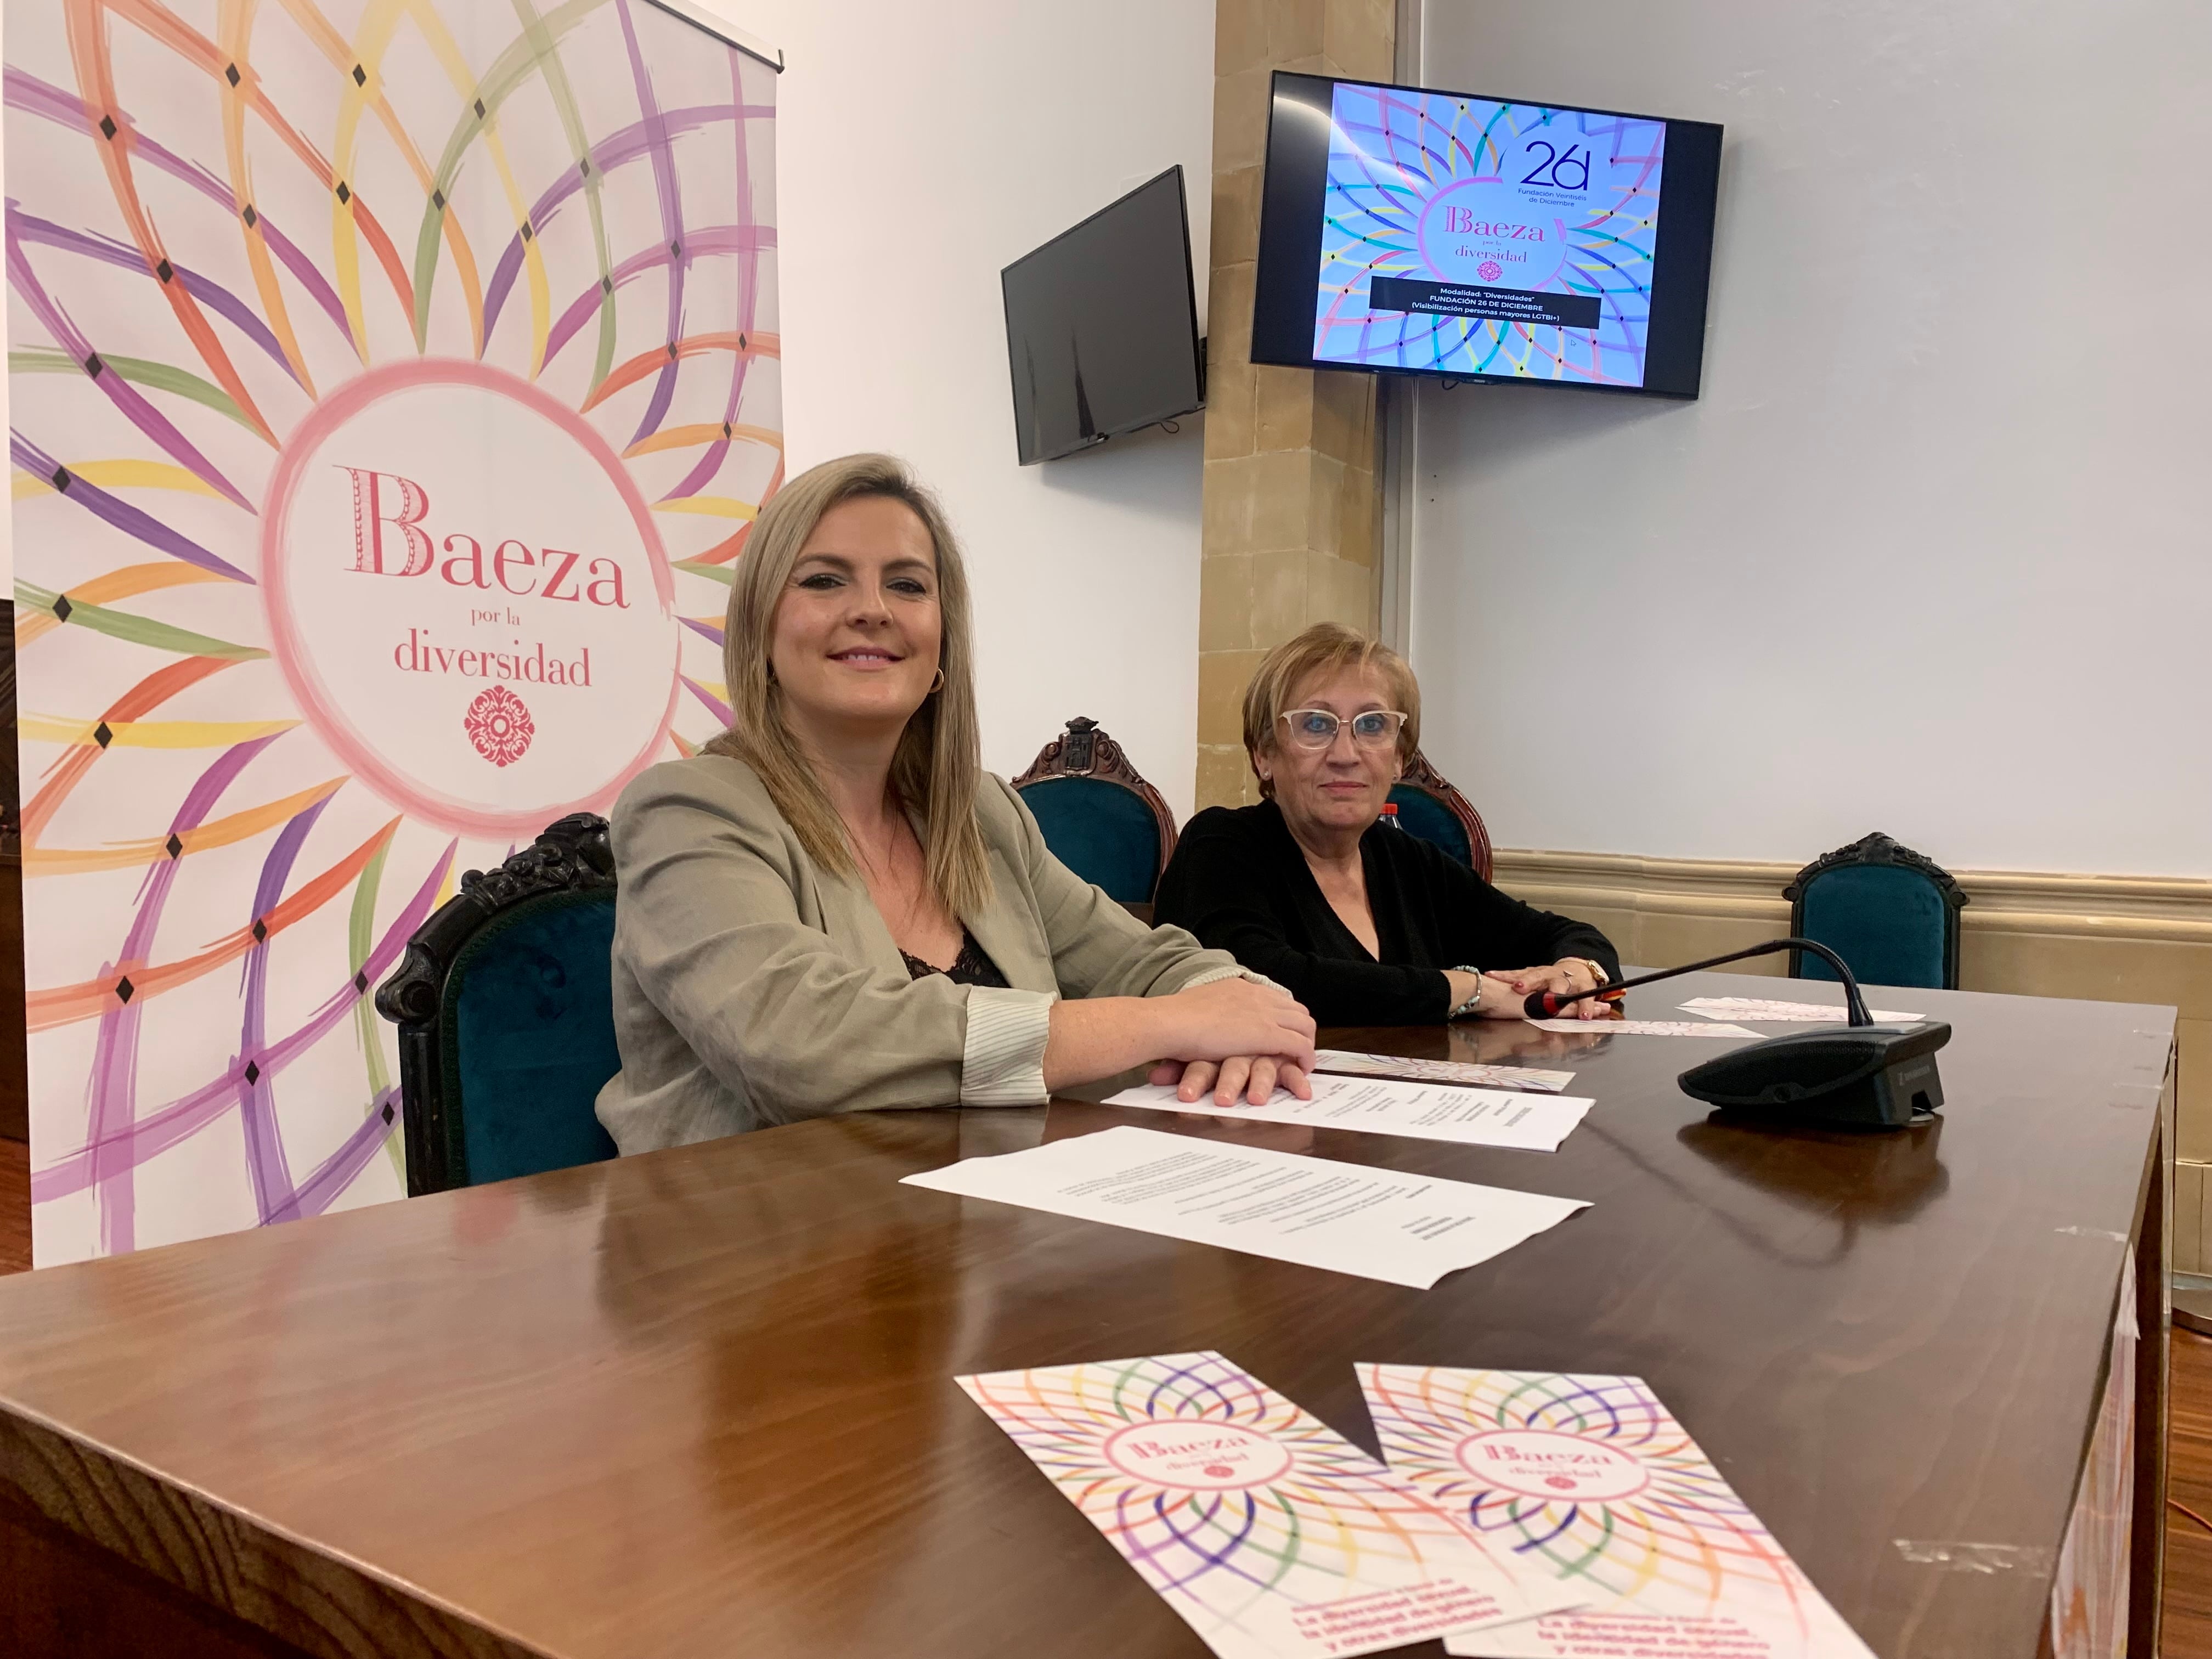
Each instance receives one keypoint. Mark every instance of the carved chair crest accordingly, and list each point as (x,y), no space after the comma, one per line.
(1878,848)
(1086,750)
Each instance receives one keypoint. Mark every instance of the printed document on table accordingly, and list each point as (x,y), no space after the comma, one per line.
(1588,1481)
(1268,1533)
(1467,1072)
(1425,1111)
(1402,1229)
(1803,1013)
(1641,1027)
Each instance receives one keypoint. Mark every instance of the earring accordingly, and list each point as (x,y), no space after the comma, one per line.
(938,685)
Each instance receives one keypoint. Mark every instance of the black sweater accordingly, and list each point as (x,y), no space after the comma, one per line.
(1240,883)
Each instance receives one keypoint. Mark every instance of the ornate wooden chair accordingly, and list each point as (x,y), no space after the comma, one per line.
(1098,814)
(1890,911)
(1428,806)
(505,1005)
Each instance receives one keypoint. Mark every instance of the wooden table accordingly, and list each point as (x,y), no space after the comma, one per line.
(701,1402)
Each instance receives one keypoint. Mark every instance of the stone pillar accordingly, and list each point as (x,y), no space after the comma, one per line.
(1293,504)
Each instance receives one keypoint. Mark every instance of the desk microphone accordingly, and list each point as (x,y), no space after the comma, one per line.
(1865,1076)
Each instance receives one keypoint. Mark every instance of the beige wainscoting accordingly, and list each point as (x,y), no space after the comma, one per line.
(2107,939)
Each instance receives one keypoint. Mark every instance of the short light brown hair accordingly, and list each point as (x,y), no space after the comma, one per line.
(938,766)
(1324,648)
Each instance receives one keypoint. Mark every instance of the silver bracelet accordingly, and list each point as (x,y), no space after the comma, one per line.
(1461,1011)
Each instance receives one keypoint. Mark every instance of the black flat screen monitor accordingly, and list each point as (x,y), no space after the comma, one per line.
(1101,325)
(1406,230)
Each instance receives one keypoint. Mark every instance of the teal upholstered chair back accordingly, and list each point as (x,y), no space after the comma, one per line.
(1099,817)
(1889,911)
(506,1016)
(1428,806)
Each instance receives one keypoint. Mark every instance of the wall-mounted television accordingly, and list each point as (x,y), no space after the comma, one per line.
(1101,325)
(1408,230)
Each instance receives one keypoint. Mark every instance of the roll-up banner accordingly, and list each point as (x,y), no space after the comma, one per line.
(392,386)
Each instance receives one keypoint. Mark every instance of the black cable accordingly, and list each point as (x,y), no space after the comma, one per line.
(1855,1005)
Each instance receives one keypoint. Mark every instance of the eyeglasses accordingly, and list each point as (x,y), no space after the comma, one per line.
(1316,728)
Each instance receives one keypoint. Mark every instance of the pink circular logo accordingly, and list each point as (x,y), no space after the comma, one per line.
(1486,230)
(500,727)
(1194,1455)
(458,570)
(1541,1463)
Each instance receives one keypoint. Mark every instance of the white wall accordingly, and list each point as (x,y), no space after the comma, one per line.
(920,149)
(1930,556)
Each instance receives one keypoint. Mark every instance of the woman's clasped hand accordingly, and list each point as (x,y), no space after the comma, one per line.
(1561,979)
(1241,1039)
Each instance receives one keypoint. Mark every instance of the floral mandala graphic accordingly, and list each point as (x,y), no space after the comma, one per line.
(1327,1521)
(1395,153)
(369,360)
(1683,1528)
(500,725)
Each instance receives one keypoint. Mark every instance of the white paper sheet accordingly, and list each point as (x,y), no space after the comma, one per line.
(1466,1073)
(1375,1223)
(1801,1013)
(1425,1111)
(1641,1027)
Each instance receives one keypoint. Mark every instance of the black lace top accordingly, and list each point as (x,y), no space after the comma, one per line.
(970,966)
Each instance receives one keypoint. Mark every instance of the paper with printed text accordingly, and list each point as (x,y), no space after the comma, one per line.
(1424,1111)
(1401,1228)
(1805,1013)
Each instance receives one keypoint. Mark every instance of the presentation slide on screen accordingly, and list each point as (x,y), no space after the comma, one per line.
(1470,237)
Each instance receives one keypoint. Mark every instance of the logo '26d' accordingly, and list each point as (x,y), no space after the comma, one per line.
(388,514)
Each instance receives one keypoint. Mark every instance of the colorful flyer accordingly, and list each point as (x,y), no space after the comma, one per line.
(1468,1072)
(1587,1482)
(1266,1531)
(1690,1028)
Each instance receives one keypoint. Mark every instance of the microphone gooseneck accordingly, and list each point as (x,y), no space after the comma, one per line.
(1543,1004)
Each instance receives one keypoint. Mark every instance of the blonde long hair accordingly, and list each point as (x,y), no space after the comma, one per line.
(938,765)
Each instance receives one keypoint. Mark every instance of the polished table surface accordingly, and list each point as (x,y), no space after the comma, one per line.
(701,1401)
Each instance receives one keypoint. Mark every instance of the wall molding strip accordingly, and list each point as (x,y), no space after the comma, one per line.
(2149,908)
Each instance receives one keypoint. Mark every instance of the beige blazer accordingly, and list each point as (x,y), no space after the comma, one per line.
(752,988)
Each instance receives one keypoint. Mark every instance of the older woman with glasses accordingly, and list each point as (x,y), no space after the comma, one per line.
(1365,924)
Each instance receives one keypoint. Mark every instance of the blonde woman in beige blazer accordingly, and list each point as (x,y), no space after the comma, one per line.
(833,907)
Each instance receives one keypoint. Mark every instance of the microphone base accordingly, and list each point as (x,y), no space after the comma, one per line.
(1866,1077)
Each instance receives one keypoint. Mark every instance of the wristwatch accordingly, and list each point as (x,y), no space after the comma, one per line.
(1466,1007)
(1596,968)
